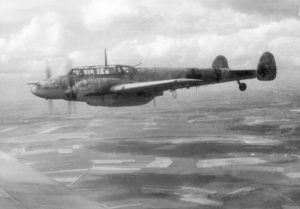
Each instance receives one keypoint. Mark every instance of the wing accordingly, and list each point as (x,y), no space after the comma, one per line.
(155,86)
(22,187)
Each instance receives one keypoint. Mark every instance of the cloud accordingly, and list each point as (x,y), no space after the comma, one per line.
(276,9)
(99,14)
(157,32)
(43,38)
(243,48)
(167,33)
(136,17)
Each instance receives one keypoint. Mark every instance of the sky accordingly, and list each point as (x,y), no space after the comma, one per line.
(166,33)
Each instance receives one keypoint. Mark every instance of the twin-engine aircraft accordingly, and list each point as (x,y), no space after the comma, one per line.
(125,85)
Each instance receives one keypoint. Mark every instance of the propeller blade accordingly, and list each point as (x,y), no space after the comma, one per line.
(67,68)
(68,65)
(69,107)
(50,106)
(48,70)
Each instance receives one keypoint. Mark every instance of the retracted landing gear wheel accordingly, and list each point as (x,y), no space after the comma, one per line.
(242,86)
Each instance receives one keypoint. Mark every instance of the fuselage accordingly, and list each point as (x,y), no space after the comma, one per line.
(92,83)
(124,85)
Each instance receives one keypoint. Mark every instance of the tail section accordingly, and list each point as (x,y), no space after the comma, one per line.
(220,62)
(266,68)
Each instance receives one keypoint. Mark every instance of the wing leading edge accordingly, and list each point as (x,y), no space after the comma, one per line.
(153,86)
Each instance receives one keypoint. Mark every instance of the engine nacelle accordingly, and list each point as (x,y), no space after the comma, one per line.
(90,87)
(266,68)
(119,100)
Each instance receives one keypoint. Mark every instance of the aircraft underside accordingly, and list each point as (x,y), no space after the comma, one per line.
(119,100)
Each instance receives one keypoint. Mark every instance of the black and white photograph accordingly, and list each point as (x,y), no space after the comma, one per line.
(150,104)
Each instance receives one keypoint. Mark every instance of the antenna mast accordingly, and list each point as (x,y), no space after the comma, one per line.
(105,58)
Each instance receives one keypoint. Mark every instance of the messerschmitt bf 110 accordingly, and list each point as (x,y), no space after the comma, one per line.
(125,85)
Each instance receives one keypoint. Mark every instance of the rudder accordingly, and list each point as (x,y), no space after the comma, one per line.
(266,68)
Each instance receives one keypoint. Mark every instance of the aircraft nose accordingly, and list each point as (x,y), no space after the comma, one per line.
(37,90)
(34,90)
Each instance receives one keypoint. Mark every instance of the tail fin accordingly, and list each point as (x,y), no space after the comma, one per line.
(266,68)
(220,62)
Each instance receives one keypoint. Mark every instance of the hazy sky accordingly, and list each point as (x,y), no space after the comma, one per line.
(155,32)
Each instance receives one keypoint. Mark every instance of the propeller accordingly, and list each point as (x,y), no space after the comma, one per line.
(48,70)
(50,106)
(71,89)
(48,75)
(68,65)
